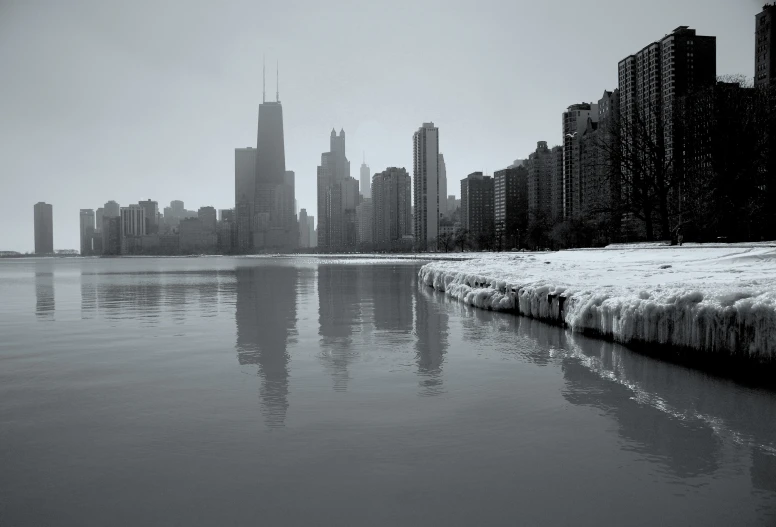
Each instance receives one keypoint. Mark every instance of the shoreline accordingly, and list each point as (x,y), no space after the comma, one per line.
(713,309)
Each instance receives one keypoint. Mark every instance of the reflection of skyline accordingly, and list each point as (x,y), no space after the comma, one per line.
(431,330)
(337,314)
(265,314)
(393,312)
(44,295)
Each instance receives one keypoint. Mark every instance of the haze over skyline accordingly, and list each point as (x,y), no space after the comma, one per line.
(112,101)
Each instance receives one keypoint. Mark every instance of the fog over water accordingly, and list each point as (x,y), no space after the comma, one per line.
(295,391)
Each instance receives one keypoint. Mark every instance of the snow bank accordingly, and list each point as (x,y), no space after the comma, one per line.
(719,300)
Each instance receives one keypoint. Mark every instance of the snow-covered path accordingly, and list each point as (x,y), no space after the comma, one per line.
(719,299)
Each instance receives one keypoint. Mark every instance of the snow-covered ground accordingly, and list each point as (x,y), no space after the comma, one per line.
(719,299)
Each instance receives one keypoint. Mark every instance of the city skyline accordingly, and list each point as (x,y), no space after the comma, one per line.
(108,143)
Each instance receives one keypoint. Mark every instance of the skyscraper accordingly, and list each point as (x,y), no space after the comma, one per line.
(510,201)
(765,46)
(391,205)
(244,196)
(337,197)
(98,215)
(574,123)
(44,228)
(364,221)
(442,199)
(304,230)
(365,181)
(477,210)
(539,166)
(151,213)
(209,218)
(273,201)
(111,210)
(425,182)
(652,81)
(86,231)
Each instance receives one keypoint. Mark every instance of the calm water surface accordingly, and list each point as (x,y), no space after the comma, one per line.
(219,391)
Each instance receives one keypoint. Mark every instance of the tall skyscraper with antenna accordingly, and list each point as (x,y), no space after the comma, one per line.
(274,223)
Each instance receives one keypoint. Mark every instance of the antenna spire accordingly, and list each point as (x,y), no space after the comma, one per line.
(264,79)
(277,81)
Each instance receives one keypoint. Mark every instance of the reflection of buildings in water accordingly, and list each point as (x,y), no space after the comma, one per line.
(88,295)
(431,331)
(44,295)
(688,449)
(266,318)
(208,286)
(123,295)
(392,289)
(337,314)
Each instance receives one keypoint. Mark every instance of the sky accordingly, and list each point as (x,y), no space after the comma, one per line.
(126,101)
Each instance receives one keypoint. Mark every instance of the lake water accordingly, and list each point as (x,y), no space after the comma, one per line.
(298,391)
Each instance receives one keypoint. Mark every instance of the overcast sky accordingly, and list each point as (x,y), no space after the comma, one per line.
(148,99)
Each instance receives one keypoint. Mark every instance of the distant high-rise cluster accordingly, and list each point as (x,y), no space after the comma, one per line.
(671,149)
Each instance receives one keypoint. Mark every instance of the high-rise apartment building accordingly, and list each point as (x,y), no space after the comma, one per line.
(651,82)
(151,212)
(111,210)
(87,228)
(477,207)
(765,46)
(539,192)
(98,215)
(425,184)
(365,181)
(510,202)
(208,216)
(304,230)
(391,202)
(133,228)
(364,221)
(442,199)
(313,232)
(44,228)
(133,221)
(599,184)
(575,120)
(111,235)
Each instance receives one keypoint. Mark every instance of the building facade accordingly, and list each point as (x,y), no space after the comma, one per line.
(151,212)
(244,196)
(364,220)
(510,202)
(477,207)
(44,228)
(426,184)
(338,196)
(539,184)
(87,228)
(651,84)
(575,120)
(365,181)
(391,202)
(765,46)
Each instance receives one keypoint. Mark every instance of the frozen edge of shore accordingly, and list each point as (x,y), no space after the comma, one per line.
(745,330)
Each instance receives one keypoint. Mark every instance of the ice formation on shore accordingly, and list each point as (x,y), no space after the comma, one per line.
(720,300)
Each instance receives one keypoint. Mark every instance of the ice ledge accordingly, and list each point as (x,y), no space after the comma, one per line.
(719,300)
